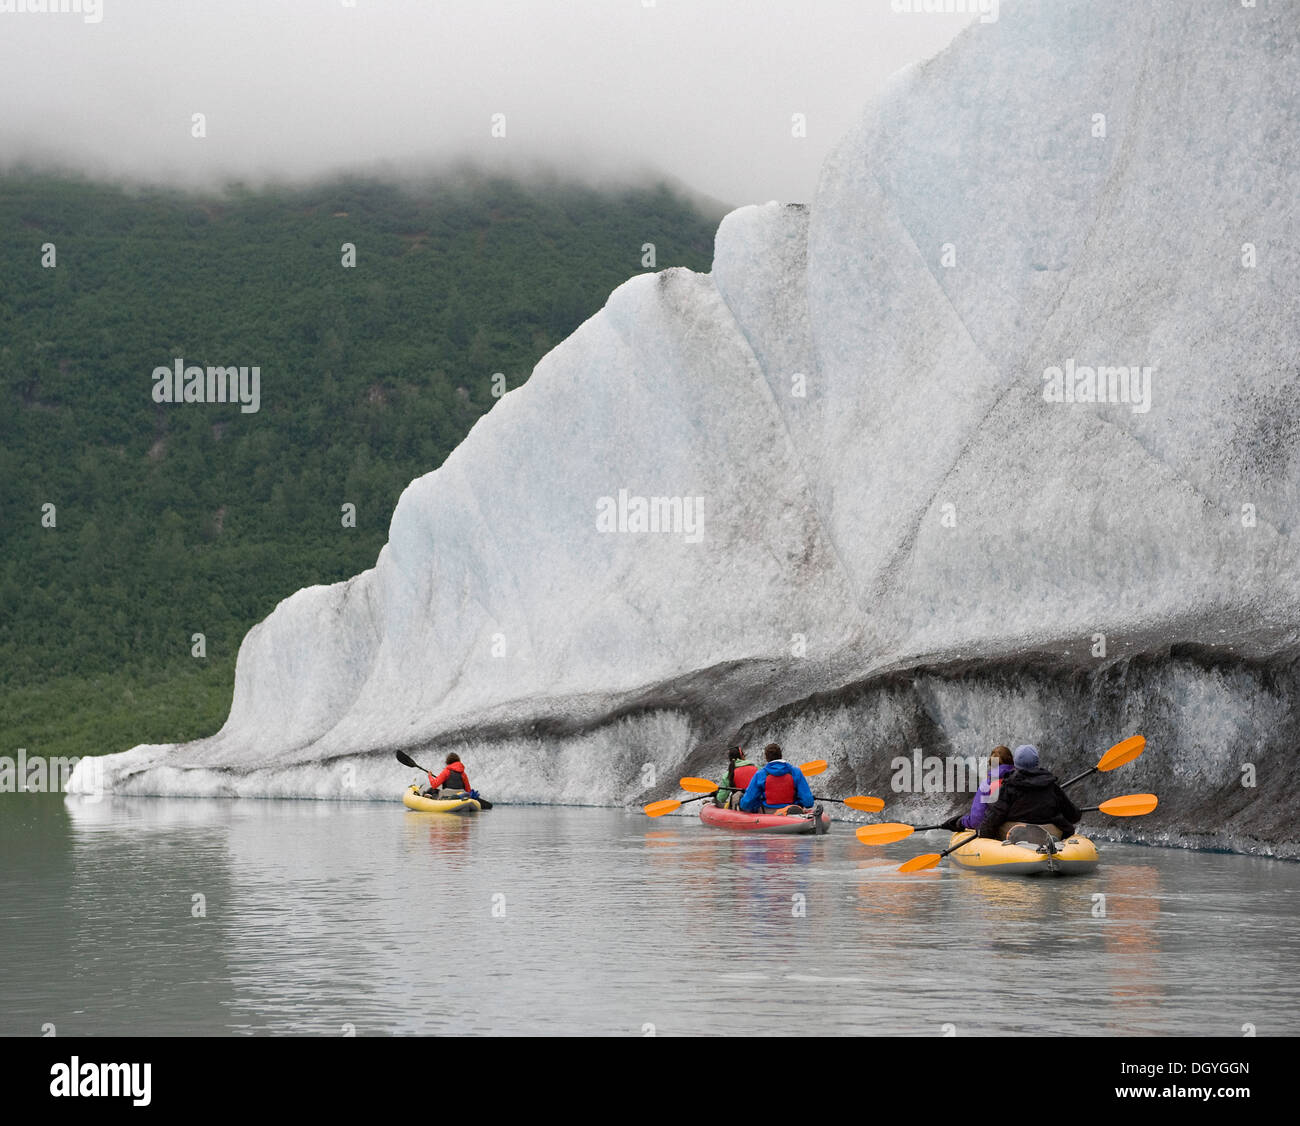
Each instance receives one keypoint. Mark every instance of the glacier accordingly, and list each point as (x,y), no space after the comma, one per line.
(905,543)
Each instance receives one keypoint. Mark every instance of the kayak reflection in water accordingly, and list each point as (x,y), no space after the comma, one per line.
(777,787)
(739,772)
(1033,796)
(453,782)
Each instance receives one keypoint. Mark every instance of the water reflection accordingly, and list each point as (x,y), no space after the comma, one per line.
(1132,943)
(1020,900)
(116,814)
(883,891)
(769,884)
(448,834)
(314,915)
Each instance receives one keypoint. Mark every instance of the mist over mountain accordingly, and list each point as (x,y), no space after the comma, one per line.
(741,103)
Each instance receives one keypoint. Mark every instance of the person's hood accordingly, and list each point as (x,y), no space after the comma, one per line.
(779,766)
(1033,778)
(1026,756)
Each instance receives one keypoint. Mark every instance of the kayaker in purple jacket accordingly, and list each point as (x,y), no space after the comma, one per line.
(1031,795)
(1000,765)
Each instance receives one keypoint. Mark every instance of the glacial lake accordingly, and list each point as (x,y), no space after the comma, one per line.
(184,916)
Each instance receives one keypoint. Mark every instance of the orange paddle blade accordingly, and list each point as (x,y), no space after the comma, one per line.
(1130,805)
(659,808)
(817,766)
(887,833)
(921,863)
(697,785)
(1121,753)
(867,805)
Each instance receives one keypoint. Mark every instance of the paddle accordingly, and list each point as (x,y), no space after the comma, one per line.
(407,760)
(1118,755)
(1122,752)
(866,805)
(1129,805)
(659,808)
(703,788)
(698,785)
(887,832)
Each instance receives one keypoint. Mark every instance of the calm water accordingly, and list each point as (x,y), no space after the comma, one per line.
(317,918)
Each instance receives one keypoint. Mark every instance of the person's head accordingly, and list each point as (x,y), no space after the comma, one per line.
(1026,757)
(735,753)
(452,756)
(772,751)
(1001,756)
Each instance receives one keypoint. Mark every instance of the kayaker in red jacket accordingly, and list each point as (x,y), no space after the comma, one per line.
(453,777)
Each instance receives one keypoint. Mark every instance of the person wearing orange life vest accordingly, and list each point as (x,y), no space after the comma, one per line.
(454,777)
(776,785)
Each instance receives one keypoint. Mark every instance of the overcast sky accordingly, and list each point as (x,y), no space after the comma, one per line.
(703,90)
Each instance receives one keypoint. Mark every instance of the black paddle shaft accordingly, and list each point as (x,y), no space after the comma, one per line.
(964,840)
(407,760)
(1079,777)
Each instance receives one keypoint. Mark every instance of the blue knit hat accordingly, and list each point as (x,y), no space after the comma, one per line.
(1025,757)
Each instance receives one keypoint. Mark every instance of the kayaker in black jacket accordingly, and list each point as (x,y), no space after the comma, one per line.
(1031,795)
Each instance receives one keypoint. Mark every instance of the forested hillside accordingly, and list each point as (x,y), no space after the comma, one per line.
(170,520)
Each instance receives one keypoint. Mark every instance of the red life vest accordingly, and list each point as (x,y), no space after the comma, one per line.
(453,777)
(778,789)
(741,776)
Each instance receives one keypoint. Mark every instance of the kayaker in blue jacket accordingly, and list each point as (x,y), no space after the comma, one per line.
(1001,764)
(776,785)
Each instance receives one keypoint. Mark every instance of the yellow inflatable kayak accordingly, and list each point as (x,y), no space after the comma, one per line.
(1029,850)
(413,800)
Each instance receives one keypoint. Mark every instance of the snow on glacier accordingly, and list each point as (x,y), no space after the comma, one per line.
(918,506)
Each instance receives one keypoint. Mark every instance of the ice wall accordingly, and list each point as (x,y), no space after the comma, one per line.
(852,401)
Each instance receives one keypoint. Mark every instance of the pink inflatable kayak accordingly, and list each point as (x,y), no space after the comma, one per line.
(711,814)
